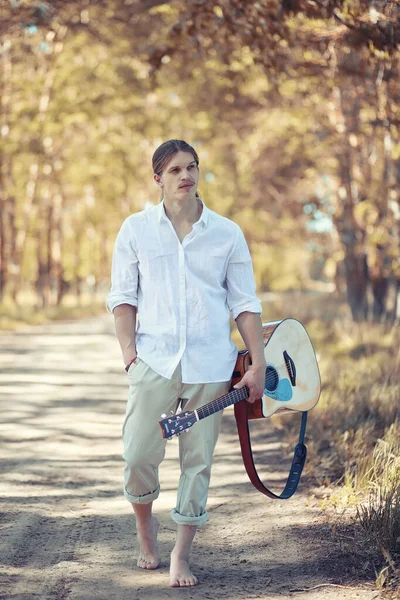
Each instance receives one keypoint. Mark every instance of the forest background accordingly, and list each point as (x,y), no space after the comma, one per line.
(293,107)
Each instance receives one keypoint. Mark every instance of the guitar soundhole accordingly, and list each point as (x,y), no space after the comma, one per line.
(271,379)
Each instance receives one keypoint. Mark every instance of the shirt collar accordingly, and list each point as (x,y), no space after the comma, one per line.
(162,216)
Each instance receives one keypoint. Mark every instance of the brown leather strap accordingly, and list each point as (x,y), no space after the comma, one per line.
(300,454)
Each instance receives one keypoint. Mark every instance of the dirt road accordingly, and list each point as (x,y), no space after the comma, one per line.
(67,533)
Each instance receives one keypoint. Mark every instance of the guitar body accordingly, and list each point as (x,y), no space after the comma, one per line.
(292,380)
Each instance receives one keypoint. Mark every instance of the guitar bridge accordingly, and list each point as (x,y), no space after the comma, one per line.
(291,368)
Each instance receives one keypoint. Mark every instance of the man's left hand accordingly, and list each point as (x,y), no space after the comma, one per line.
(254,378)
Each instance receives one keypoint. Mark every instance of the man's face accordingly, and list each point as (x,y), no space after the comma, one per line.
(180,177)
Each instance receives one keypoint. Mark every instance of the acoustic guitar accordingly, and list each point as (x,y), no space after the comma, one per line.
(292,380)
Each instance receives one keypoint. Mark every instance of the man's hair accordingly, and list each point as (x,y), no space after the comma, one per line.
(166,151)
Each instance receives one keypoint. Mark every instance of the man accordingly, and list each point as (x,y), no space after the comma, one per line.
(181,269)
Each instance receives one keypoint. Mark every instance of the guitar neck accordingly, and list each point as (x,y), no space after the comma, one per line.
(223,402)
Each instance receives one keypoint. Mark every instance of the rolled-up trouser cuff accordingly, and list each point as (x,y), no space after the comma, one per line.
(182,520)
(145,499)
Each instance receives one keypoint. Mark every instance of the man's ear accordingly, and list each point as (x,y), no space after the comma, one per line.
(158,181)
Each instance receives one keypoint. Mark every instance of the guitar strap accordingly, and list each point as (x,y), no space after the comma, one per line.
(299,458)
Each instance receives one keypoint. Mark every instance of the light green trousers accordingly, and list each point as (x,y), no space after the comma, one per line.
(151,395)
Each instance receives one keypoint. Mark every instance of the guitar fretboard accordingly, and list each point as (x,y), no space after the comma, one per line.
(222,402)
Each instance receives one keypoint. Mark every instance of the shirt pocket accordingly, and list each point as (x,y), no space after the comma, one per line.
(211,263)
(160,262)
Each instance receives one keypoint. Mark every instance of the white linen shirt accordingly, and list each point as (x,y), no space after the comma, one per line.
(184,292)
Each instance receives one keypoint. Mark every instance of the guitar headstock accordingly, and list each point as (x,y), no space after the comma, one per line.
(177,424)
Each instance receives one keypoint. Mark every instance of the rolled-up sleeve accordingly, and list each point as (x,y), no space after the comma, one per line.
(240,281)
(124,270)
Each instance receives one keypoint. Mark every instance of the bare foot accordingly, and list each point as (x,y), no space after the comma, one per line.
(180,573)
(149,557)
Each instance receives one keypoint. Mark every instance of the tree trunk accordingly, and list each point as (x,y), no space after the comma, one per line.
(5,164)
(43,246)
(14,266)
(49,254)
(58,250)
(356,279)
(396,309)
(40,282)
(3,258)
(380,288)
(77,262)
(378,269)
(346,119)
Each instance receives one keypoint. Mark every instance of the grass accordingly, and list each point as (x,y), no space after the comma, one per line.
(379,515)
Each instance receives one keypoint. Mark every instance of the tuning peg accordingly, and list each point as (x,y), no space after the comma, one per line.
(163,416)
(187,430)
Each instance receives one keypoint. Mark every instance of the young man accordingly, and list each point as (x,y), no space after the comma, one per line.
(181,268)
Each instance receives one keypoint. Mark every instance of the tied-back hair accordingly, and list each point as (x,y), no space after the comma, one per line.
(166,151)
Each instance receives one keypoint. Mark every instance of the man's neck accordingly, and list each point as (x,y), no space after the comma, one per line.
(188,211)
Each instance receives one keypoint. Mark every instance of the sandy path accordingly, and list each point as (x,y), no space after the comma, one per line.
(67,533)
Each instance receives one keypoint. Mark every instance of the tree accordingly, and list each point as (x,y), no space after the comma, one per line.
(277,94)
